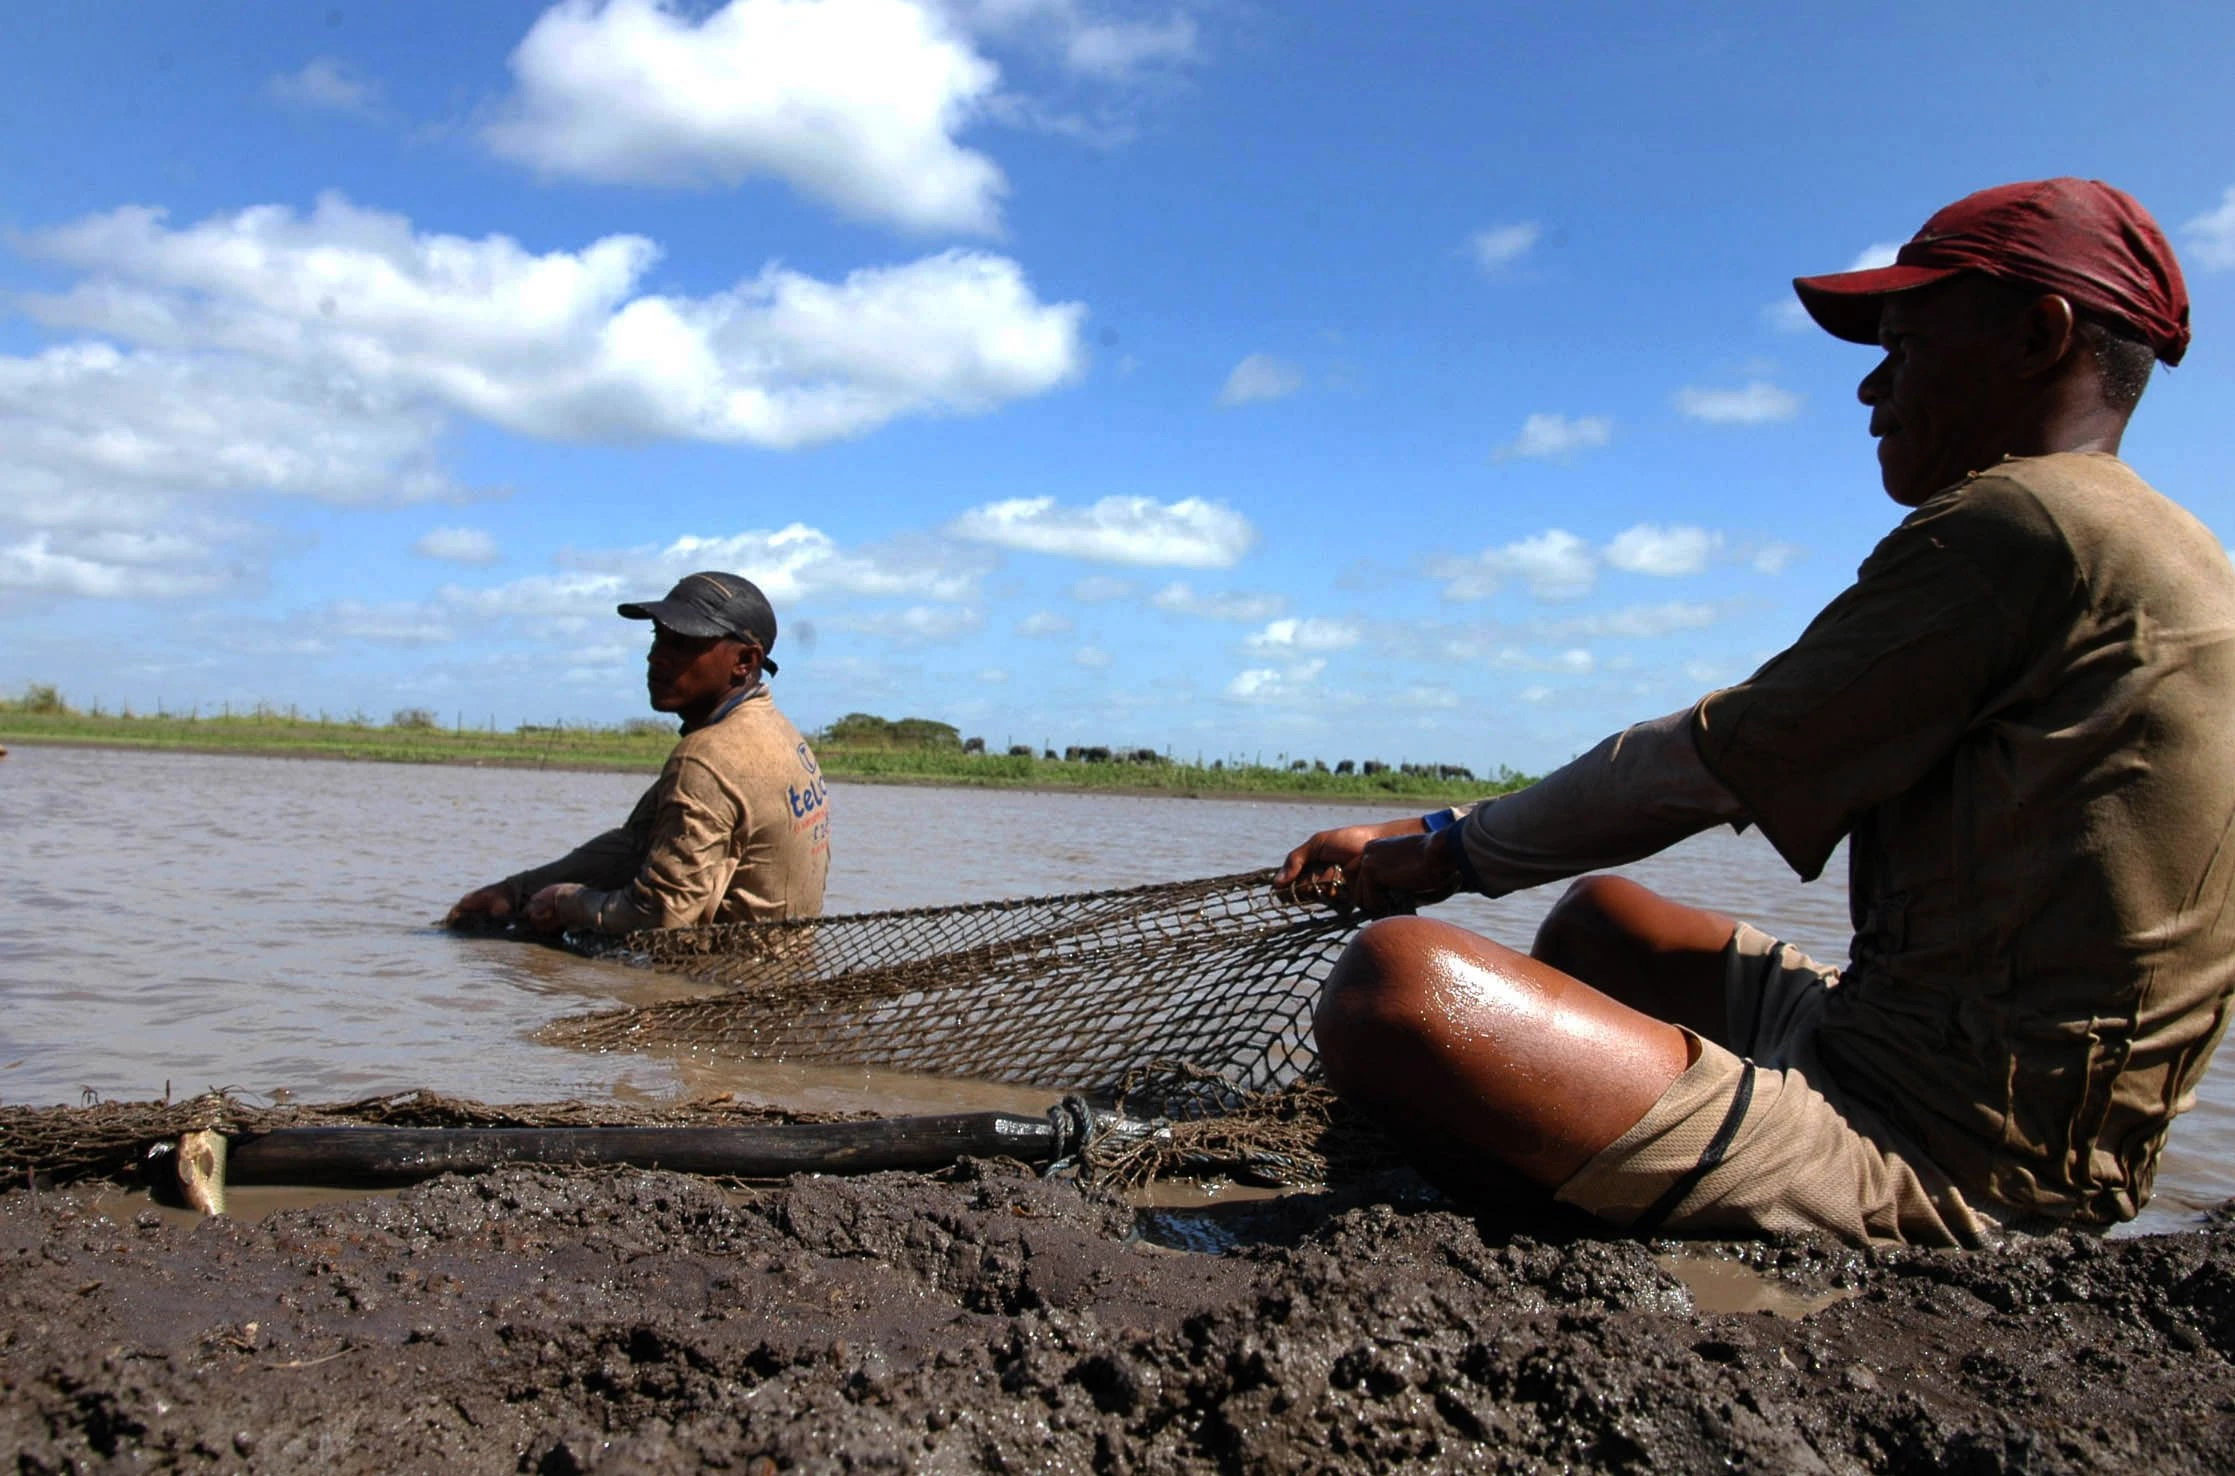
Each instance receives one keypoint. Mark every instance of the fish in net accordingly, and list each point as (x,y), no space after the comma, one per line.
(1182,997)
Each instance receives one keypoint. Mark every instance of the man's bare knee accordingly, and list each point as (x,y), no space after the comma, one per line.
(1591,908)
(1662,957)
(1603,913)
(1375,998)
(1439,1032)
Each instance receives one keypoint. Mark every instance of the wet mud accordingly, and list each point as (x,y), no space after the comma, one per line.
(630,1321)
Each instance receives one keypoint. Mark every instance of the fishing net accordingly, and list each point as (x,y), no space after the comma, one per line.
(1188,1002)
(1185,996)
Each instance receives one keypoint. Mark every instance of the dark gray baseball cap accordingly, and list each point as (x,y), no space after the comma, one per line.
(714,604)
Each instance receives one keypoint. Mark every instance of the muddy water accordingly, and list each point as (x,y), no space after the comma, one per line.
(184,921)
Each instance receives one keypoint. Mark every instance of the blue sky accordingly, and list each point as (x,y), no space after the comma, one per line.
(1413,382)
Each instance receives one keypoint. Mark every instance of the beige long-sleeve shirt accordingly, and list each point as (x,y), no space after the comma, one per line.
(735,829)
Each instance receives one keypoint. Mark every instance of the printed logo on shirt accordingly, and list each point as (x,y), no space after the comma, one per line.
(807,801)
(810,800)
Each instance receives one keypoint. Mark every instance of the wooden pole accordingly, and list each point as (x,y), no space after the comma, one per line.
(380,1156)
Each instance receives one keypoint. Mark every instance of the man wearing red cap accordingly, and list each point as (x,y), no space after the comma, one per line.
(2021,718)
(737,826)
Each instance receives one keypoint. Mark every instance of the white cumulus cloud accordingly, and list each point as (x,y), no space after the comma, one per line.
(565,344)
(1554,564)
(856,103)
(1093,658)
(1275,684)
(793,565)
(790,564)
(1192,533)
(2211,236)
(1501,246)
(1756,403)
(1260,377)
(1649,548)
(796,561)
(38,565)
(129,473)
(1547,437)
(1305,635)
(1044,623)
(457,545)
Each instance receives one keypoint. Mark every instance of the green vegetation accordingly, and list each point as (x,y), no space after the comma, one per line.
(857,746)
(411,736)
(862,730)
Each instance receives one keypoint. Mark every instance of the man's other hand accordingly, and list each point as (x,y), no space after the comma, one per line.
(543,907)
(492,903)
(1325,863)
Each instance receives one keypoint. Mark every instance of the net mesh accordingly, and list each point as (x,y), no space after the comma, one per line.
(1186,996)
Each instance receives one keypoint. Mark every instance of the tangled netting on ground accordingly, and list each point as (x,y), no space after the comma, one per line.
(1186,996)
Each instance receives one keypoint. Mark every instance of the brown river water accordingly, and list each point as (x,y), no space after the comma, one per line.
(175,922)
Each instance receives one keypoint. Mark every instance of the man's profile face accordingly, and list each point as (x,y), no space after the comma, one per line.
(683,673)
(1937,400)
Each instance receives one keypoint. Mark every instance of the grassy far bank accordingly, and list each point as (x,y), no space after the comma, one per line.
(915,751)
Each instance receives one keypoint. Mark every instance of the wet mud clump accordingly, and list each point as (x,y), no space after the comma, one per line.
(631,1321)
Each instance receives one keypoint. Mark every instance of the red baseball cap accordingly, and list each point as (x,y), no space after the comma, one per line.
(2079,238)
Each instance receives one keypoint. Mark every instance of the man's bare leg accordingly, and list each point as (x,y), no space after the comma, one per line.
(1656,956)
(1469,1045)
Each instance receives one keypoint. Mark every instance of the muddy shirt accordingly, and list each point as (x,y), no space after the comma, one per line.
(2022,715)
(735,829)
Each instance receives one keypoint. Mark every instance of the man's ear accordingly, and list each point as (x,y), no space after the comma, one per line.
(2049,335)
(748,664)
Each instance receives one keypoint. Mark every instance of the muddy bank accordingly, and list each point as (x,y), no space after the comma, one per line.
(631,1321)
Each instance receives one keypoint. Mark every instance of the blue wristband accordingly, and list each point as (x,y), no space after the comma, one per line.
(1441,820)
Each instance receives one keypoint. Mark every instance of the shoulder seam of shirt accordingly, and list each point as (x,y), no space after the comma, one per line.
(2017,485)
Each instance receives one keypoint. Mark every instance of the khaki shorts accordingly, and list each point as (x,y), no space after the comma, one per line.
(1768,1142)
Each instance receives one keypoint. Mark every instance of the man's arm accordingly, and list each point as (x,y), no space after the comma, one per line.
(606,860)
(1879,689)
(1638,792)
(687,863)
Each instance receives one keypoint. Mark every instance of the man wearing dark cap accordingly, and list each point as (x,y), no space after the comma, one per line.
(737,826)
(2020,717)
